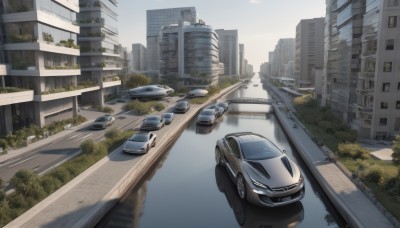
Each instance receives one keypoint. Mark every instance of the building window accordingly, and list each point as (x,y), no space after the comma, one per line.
(398,86)
(384,105)
(392,23)
(397,104)
(392,3)
(390,44)
(387,67)
(385,87)
(382,121)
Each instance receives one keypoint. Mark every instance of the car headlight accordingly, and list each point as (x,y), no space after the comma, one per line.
(258,184)
(301,179)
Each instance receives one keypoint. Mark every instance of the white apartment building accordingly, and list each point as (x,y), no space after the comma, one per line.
(378,90)
(100,58)
(39,43)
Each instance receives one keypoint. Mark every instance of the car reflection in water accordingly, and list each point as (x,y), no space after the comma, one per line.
(207,129)
(249,215)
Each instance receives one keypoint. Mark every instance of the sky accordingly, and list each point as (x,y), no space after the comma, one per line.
(260,23)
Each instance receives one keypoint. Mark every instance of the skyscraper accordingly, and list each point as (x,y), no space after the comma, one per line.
(309,52)
(229,51)
(156,19)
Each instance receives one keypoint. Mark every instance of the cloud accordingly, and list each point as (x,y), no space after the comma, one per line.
(254,1)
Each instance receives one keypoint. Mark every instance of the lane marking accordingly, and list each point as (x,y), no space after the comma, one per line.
(22,161)
(74,136)
(84,137)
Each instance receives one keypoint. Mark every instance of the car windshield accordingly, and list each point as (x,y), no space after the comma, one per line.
(207,113)
(167,115)
(181,104)
(153,118)
(102,119)
(259,150)
(138,138)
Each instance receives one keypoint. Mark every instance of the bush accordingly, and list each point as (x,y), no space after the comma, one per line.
(112,133)
(396,149)
(143,108)
(3,144)
(352,150)
(374,174)
(107,109)
(27,184)
(50,184)
(159,106)
(61,174)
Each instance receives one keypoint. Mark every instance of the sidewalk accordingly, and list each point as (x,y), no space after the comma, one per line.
(349,200)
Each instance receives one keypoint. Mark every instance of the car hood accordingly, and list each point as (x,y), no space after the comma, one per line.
(133,145)
(275,172)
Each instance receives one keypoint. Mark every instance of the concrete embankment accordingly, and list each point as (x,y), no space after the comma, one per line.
(83,201)
(350,201)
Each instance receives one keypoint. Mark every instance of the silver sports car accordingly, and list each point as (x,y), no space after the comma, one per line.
(139,143)
(150,92)
(263,174)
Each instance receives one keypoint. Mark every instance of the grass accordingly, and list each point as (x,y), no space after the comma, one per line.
(143,108)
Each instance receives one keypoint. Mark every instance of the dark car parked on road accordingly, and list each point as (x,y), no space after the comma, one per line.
(182,106)
(152,122)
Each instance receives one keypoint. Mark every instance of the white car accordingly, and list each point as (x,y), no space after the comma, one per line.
(197,93)
(150,92)
(140,143)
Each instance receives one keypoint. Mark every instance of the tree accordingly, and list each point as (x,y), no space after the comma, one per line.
(136,80)
(396,149)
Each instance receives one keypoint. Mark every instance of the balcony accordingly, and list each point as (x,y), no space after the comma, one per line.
(365,110)
(101,67)
(92,36)
(10,95)
(60,93)
(34,72)
(368,75)
(111,84)
(87,51)
(369,91)
(41,16)
(90,6)
(92,22)
(43,46)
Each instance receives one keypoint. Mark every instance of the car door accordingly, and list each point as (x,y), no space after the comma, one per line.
(233,156)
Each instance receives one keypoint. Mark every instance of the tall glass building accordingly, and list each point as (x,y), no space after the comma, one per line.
(229,51)
(189,55)
(158,18)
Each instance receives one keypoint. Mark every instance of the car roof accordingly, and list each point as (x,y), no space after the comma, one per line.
(243,137)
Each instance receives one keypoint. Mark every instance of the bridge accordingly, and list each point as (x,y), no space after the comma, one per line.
(251,100)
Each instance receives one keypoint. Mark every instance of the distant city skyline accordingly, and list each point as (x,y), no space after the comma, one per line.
(260,23)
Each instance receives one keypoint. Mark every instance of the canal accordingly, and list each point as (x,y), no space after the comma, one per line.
(187,189)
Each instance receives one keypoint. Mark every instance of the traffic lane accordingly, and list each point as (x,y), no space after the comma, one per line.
(57,151)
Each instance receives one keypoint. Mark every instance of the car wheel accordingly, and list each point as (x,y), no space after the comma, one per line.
(218,156)
(241,186)
(154,143)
